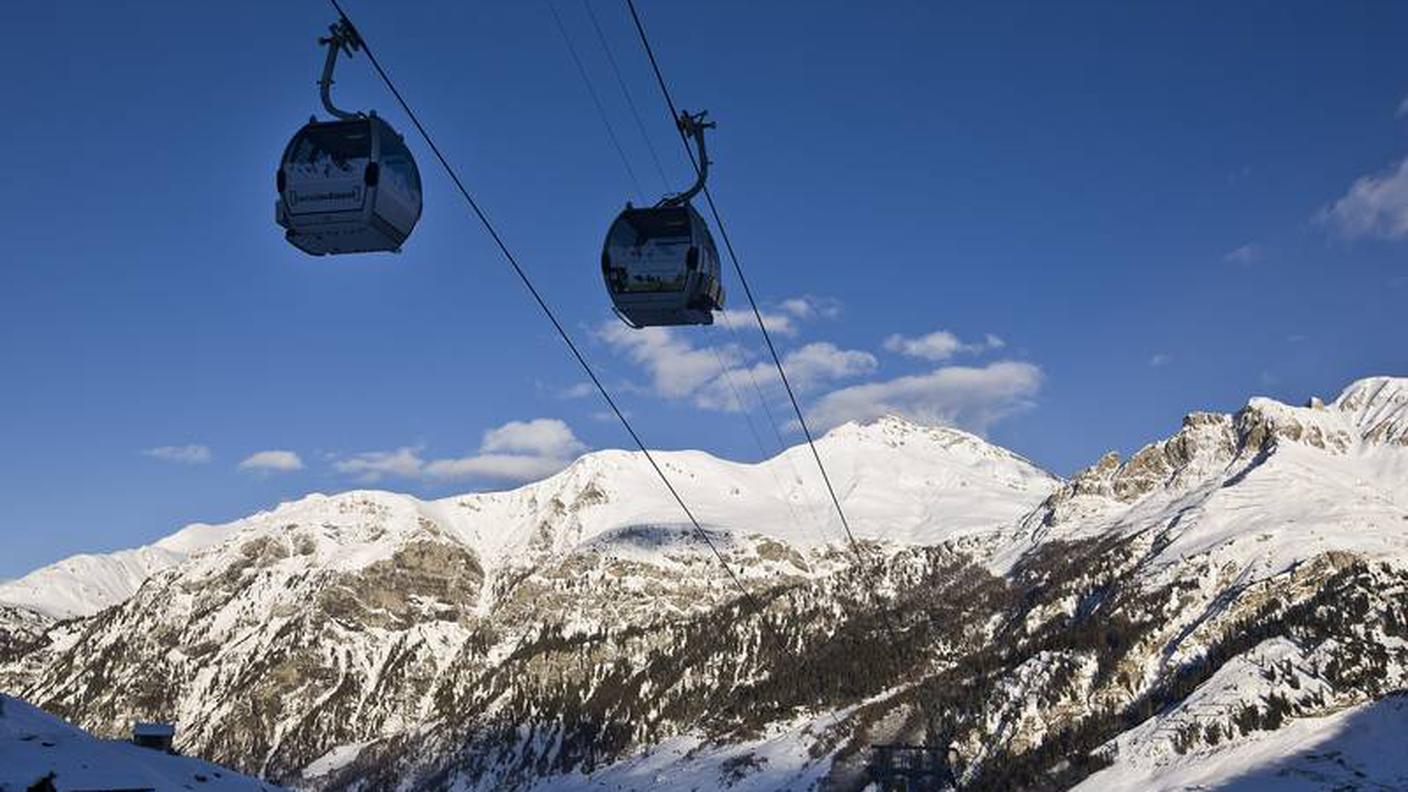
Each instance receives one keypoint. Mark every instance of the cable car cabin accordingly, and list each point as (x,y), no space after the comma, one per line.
(348,186)
(661,267)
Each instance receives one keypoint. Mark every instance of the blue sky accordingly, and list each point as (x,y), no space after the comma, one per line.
(1061,225)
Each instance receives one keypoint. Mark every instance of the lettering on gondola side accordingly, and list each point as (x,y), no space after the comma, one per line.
(295,199)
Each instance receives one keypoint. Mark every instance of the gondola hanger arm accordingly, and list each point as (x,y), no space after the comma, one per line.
(692,125)
(344,37)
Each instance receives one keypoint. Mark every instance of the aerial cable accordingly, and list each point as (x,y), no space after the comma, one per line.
(757,314)
(625,92)
(701,169)
(596,100)
(767,337)
(767,409)
(547,311)
(782,448)
(724,372)
(747,411)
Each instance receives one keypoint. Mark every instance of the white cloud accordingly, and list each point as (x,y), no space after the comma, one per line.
(500,467)
(514,452)
(1159,359)
(823,361)
(808,307)
(540,436)
(580,390)
(272,460)
(1402,109)
(968,397)
(712,377)
(807,368)
(193,454)
(676,367)
(782,321)
(940,345)
(780,324)
(374,465)
(1375,206)
(1246,254)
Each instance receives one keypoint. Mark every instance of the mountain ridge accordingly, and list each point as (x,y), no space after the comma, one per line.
(84,584)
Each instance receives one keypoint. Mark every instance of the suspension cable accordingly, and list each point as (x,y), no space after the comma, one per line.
(625,92)
(664,181)
(747,411)
(747,290)
(724,370)
(763,400)
(596,100)
(548,312)
(767,337)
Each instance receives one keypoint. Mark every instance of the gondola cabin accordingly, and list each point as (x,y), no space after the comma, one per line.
(661,267)
(348,186)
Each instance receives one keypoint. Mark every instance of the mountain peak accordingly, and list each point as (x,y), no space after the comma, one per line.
(893,428)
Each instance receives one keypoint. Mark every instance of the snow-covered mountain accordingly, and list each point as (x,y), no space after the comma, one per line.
(85,584)
(898,481)
(1242,577)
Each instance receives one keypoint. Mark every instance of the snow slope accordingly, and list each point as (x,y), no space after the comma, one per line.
(84,584)
(1359,748)
(34,743)
(1254,493)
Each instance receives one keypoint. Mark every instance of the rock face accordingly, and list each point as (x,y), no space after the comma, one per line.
(1239,577)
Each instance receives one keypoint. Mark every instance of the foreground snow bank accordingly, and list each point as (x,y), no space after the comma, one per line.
(35,744)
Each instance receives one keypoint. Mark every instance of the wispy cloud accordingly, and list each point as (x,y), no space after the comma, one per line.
(193,454)
(1158,360)
(271,461)
(1246,254)
(499,467)
(786,318)
(514,452)
(940,345)
(1375,206)
(540,436)
(809,306)
(971,398)
(372,466)
(580,390)
(742,319)
(822,361)
(1402,109)
(713,377)
(675,366)
(808,367)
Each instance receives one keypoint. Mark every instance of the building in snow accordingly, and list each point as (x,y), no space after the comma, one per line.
(909,768)
(157,736)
